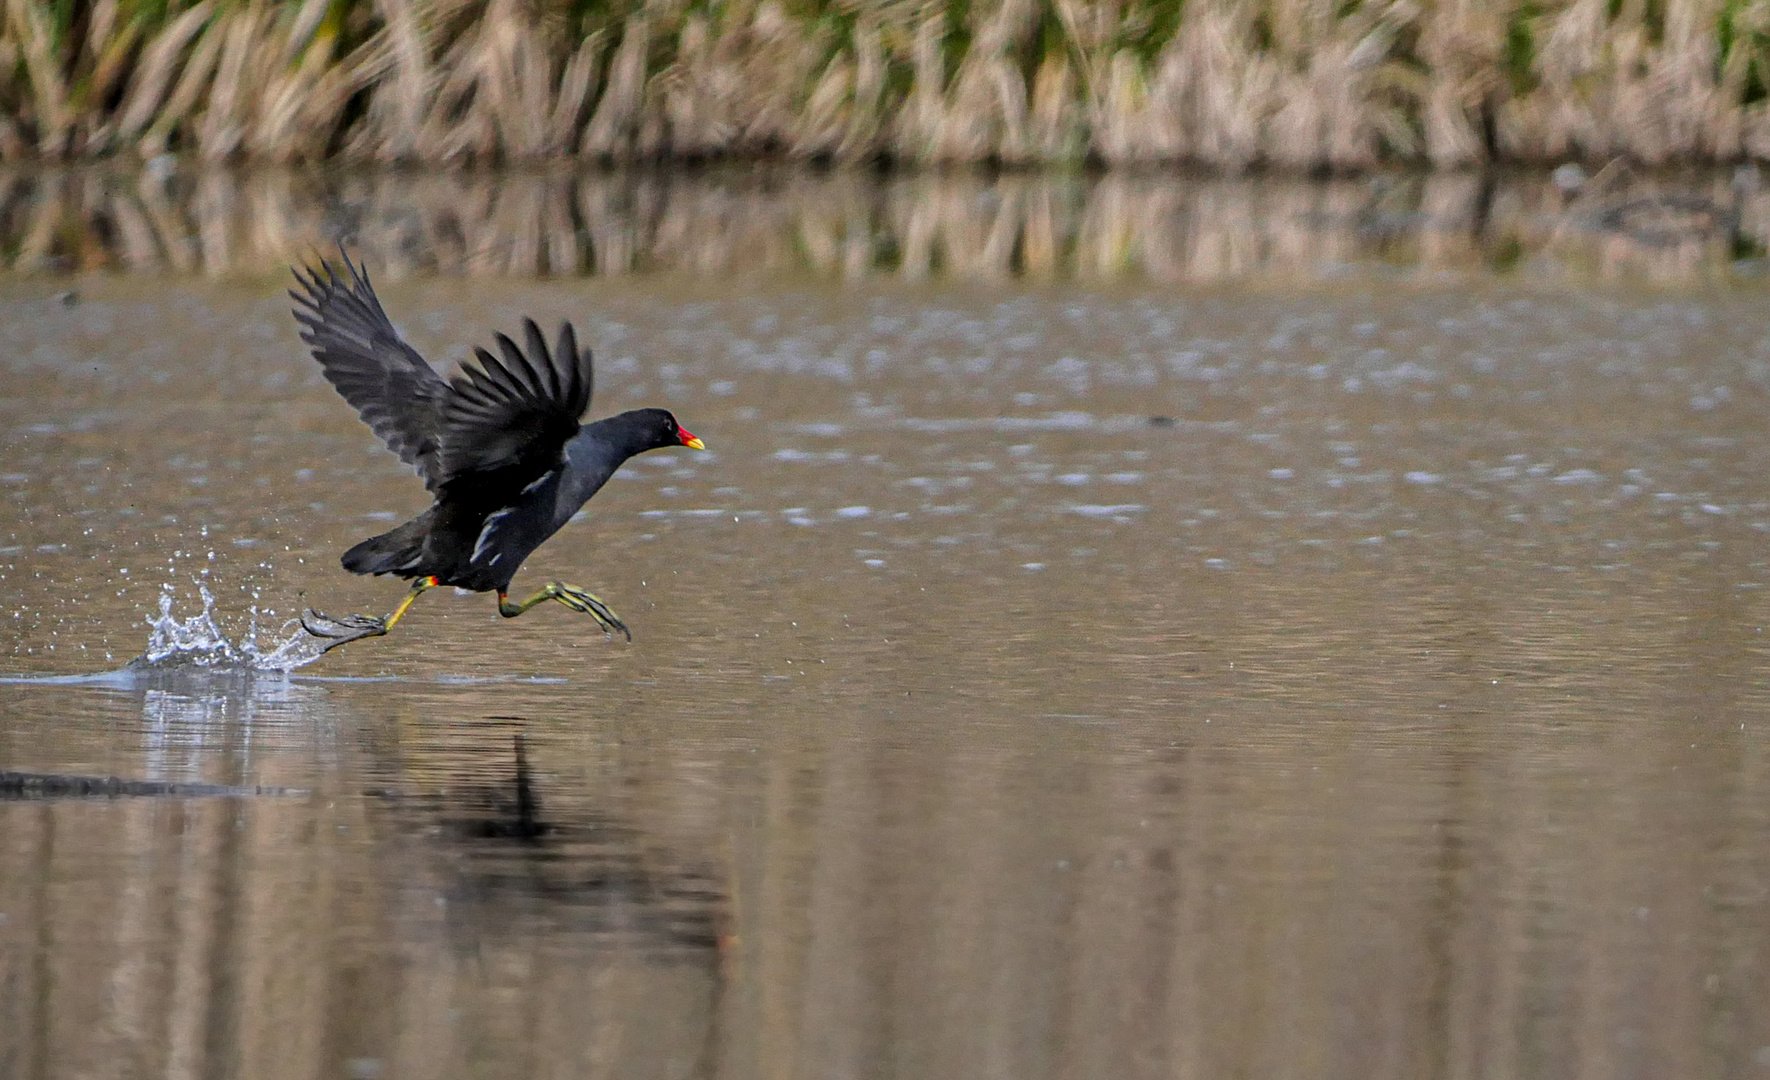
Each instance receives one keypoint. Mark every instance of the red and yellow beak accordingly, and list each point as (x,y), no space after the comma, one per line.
(690,440)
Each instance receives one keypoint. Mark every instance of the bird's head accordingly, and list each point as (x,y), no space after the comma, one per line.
(655,429)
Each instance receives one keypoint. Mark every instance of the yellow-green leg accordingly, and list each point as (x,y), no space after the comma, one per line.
(418,588)
(572,597)
(356,627)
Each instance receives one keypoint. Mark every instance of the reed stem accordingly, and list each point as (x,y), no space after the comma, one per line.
(1338,85)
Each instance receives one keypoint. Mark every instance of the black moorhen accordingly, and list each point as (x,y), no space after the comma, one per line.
(500,446)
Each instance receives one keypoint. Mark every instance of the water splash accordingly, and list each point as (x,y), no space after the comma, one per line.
(199,644)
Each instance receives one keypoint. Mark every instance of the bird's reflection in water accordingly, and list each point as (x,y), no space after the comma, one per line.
(538,922)
(510,865)
(519,816)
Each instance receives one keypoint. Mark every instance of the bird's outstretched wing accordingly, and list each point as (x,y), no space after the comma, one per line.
(396,392)
(513,417)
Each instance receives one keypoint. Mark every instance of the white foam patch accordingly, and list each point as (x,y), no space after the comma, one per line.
(1118,510)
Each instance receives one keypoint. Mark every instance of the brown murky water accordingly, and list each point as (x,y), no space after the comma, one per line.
(1395,706)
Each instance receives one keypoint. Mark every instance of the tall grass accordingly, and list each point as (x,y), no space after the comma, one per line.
(1302,84)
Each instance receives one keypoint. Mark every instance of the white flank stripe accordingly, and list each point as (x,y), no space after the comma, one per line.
(542,479)
(485,532)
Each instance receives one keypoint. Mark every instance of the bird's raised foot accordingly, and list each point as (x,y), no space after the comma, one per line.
(590,604)
(581,600)
(341,631)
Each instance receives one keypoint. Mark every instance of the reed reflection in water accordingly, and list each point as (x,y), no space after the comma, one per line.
(1161,226)
(432,905)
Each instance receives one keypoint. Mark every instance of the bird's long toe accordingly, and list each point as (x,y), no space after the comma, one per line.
(348,628)
(319,624)
(590,604)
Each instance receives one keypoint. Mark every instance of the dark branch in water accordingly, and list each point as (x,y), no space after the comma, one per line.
(22,785)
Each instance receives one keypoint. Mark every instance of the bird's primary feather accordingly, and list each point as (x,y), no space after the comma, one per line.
(396,392)
(512,418)
(502,421)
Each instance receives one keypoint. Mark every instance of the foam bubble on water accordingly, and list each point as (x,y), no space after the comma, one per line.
(1121,511)
(199,643)
(1578,476)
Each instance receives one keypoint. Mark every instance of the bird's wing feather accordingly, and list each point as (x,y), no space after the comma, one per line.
(513,417)
(396,392)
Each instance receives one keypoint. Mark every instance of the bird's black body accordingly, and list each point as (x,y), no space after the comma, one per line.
(481,527)
(501,447)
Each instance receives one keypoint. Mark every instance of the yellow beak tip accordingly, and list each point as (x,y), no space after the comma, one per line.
(695,444)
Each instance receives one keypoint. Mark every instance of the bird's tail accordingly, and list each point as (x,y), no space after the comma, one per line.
(396,552)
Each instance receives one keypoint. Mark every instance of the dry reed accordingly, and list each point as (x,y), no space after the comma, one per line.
(1297,84)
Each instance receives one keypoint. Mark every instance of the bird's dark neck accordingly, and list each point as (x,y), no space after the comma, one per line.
(620,435)
(593,455)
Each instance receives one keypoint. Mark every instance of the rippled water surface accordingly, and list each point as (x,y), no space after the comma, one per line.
(1349,677)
